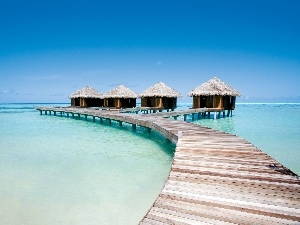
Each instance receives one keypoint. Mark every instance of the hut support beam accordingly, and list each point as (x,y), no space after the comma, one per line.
(134,126)
(184,117)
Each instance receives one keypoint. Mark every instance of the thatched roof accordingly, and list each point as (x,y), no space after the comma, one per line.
(121,92)
(160,90)
(214,87)
(86,92)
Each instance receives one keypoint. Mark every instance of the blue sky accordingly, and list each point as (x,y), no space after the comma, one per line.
(49,49)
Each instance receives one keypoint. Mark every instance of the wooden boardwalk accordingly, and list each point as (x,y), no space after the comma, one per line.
(215,178)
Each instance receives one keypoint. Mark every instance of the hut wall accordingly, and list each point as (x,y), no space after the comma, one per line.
(109,102)
(117,103)
(229,102)
(218,102)
(209,102)
(233,98)
(82,102)
(159,102)
(169,103)
(196,102)
(94,102)
(128,102)
(143,102)
(72,101)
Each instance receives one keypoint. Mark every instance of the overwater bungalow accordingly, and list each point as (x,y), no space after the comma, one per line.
(160,96)
(120,97)
(86,97)
(214,94)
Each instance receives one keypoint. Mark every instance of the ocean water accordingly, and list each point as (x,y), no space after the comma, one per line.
(63,171)
(58,170)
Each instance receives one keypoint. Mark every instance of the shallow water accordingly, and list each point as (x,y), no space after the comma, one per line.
(57,170)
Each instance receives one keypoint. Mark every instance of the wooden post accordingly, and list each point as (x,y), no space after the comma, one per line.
(134,126)
(109,121)
(72,115)
(41,112)
(54,113)
(184,117)
(223,113)
(85,117)
(61,113)
(50,112)
(101,120)
(148,130)
(93,118)
(120,123)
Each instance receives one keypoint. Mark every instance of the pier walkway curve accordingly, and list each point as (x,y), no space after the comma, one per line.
(215,177)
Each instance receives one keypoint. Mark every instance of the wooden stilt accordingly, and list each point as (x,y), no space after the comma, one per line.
(120,123)
(184,117)
(134,126)
(94,119)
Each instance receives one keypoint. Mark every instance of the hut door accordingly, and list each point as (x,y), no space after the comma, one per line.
(203,102)
(77,102)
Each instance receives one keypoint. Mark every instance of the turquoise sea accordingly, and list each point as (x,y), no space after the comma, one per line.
(63,171)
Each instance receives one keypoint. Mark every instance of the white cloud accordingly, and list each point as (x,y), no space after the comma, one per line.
(7,91)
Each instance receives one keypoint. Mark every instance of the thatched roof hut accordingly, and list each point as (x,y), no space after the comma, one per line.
(86,97)
(160,96)
(212,87)
(120,97)
(214,94)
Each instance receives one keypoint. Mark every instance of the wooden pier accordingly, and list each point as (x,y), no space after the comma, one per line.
(215,177)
